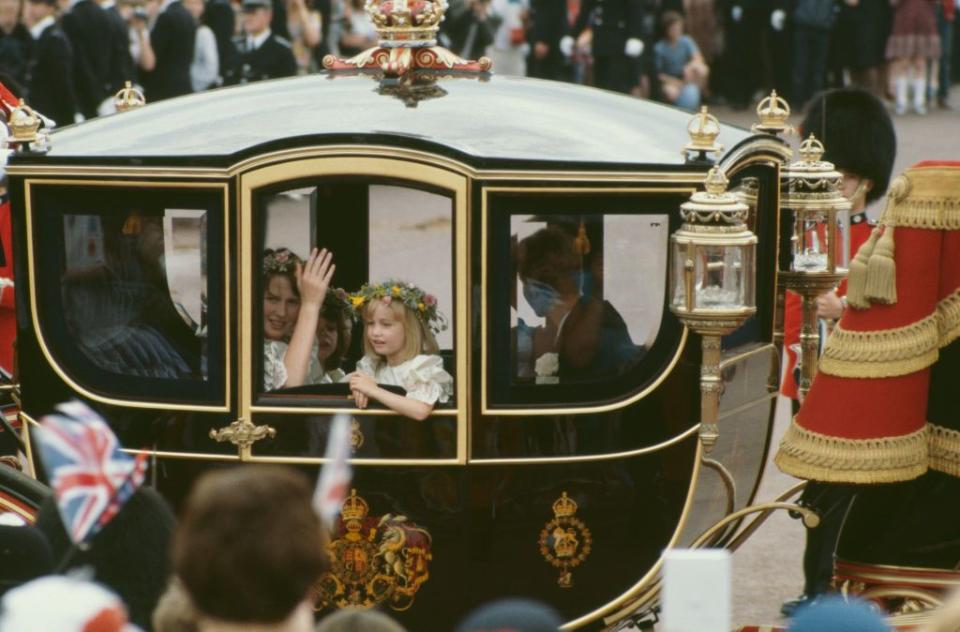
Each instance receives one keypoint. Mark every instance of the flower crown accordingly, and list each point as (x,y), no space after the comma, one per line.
(423,305)
(281,260)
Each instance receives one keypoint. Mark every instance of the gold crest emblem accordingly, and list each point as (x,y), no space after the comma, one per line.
(373,560)
(565,542)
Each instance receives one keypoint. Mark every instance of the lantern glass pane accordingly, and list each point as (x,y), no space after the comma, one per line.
(810,242)
(842,239)
(748,276)
(678,293)
(719,277)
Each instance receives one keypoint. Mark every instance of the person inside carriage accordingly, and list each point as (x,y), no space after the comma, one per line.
(582,334)
(306,325)
(119,307)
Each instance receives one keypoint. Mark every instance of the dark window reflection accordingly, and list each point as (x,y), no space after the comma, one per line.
(588,295)
(134,291)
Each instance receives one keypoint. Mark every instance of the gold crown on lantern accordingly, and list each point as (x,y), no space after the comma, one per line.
(354,508)
(564,507)
(704,128)
(128,98)
(773,112)
(406,22)
(811,150)
(24,123)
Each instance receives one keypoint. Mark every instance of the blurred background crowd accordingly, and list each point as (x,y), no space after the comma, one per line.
(70,56)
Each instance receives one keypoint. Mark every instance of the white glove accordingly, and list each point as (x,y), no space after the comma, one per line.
(777,18)
(634,47)
(736,12)
(566,45)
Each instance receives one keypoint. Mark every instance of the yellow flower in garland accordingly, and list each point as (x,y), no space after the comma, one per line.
(357,300)
(395,290)
(421,306)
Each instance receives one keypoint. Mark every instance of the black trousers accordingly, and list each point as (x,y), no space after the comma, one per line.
(615,72)
(831,502)
(810,48)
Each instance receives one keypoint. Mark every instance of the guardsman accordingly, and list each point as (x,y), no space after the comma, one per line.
(618,27)
(883,413)
(843,119)
(263,54)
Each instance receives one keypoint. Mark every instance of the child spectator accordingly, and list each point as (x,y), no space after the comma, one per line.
(680,67)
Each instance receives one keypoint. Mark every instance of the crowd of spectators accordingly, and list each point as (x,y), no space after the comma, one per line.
(70,56)
(245,556)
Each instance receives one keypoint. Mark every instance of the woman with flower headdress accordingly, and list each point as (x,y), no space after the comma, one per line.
(294,293)
(400,349)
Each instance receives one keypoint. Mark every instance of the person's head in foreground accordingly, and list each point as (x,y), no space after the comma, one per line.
(833,613)
(250,548)
(358,620)
(63,604)
(512,615)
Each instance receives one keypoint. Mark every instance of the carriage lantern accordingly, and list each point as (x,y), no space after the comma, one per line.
(713,256)
(128,98)
(820,241)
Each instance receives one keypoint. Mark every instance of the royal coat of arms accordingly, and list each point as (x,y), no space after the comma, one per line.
(373,560)
(565,542)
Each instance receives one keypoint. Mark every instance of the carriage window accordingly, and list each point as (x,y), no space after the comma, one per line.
(134,291)
(130,292)
(376,232)
(587,296)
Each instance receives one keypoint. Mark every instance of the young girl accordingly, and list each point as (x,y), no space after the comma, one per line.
(293,294)
(400,349)
(333,336)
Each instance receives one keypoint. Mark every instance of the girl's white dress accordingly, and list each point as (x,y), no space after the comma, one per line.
(275,373)
(423,377)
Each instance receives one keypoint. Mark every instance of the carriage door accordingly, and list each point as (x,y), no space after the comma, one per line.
(409,227)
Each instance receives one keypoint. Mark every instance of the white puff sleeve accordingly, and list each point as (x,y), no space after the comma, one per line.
(366,365)
(427,381)
(274,372)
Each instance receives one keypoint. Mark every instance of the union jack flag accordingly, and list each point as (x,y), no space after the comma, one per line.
(91,477)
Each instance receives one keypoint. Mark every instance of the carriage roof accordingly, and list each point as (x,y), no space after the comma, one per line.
(487,121)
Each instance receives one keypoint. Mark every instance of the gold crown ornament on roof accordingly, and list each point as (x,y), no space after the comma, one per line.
(773,112)
(23,124)
(408,42)
(704,128)
(128,98)
(406,22)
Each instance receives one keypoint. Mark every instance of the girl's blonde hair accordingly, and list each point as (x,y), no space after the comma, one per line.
(417,338)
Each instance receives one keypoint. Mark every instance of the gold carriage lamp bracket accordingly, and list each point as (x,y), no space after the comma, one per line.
(128,98)
(712,282)
(408,41)
(773,112)
(812,195)
(703,128)
(243,434)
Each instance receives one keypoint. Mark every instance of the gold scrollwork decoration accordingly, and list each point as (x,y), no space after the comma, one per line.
(356,436)
(242,433)
(565,542)
(374,560)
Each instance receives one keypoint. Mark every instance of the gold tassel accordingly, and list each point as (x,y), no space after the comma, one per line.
(857,278)
(881,283)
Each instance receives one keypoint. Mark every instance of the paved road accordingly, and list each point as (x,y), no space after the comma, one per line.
(767,568)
